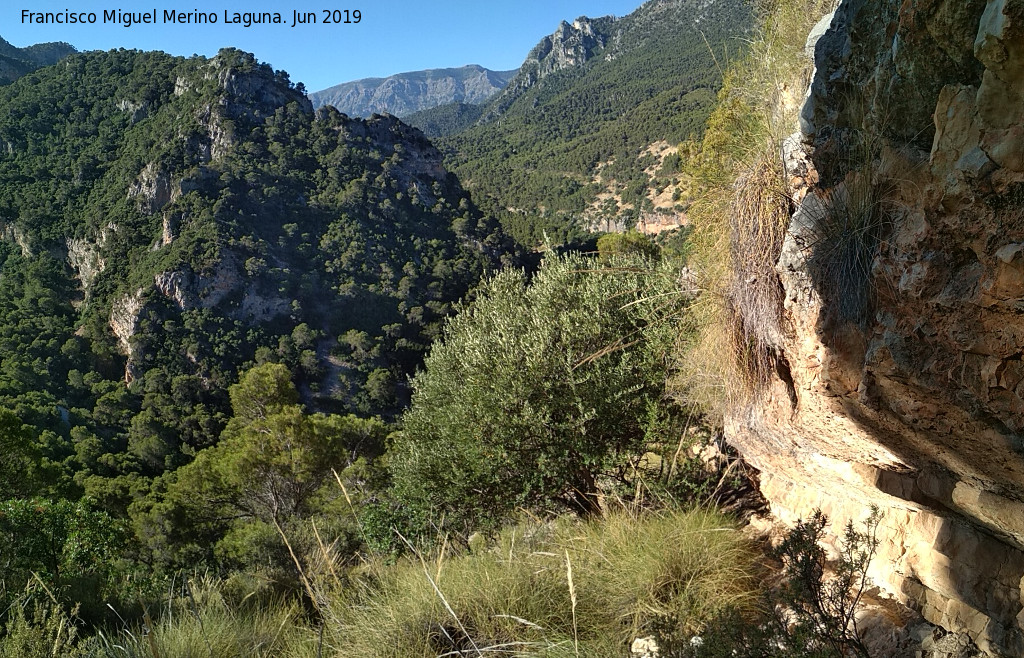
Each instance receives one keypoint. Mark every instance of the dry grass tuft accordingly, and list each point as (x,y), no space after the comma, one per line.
(557,589)
(847,228)
(759,218)
(740,214)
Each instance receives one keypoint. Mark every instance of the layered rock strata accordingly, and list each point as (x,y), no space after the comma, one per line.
(903,273)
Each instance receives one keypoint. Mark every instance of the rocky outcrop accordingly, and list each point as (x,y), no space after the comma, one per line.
(422,162)
(252,91)
(903,378)
(570,46)
(124,319)
(152,189)
(405,93)
(85,258)
(10,232)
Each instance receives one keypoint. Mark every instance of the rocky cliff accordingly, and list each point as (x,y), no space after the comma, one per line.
(570,46)
(406,93)
(901,382)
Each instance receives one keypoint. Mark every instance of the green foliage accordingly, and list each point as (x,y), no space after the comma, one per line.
(543,151)
(446,120)
(16,62)
(68,549)
(20,458)
(274,230)
(813,614)
(536,389)
(271,474)
(272,233)
(630,242)
(38,628)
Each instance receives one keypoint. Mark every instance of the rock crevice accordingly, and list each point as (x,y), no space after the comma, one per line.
(915,403)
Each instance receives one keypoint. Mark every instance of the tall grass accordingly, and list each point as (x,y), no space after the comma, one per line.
(206,618)
(560,589)
(740,212)
(847,226)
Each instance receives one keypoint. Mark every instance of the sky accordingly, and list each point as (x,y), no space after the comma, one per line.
(392,36)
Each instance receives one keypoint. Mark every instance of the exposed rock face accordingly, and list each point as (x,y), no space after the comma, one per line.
(84,257)
(11,233)
(250,92)
(124,318)
(914,402)
(152,189)
(570,46)
(406,93)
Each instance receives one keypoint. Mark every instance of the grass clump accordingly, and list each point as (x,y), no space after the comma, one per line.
(847,225)
(740,209)
(557,589)
(208,617)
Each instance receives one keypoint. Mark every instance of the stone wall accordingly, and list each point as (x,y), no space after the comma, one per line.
(915,401)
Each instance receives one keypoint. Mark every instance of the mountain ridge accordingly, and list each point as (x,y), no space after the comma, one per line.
(16,62)
(567,146)
(402,94)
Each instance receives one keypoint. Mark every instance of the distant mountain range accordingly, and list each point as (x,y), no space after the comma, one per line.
(586,133)
(405,93)
(16,62)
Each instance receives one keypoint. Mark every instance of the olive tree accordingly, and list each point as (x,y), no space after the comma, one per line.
(536,388)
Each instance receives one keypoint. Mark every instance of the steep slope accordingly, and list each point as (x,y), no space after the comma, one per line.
(16,62)
(167,222)
(898,372)
(445,120)
(405,93)
(564,144)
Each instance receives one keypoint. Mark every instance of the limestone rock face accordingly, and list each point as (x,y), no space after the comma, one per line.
(570,46)
(84,257)
(251,91)
(914,403)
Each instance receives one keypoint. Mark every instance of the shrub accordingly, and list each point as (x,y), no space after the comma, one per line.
(537,389)
(813,613)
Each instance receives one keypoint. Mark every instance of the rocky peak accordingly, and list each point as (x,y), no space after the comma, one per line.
(252,90)
(570,46)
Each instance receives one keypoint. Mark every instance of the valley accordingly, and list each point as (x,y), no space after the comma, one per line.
(696,335)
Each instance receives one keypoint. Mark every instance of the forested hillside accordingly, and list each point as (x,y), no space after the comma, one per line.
(586,104)
(274,383)
(16,62)
(170,222)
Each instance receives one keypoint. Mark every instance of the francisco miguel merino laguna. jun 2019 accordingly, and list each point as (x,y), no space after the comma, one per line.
(195,17)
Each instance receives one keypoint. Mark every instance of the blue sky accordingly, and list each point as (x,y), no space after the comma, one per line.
(393,36)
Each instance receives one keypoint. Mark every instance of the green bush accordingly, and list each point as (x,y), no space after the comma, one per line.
(537,390)
(813,613)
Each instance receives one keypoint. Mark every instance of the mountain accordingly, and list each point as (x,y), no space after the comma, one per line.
(405,93)
(166,223)
(446,120)
(16,62)
(590,123)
